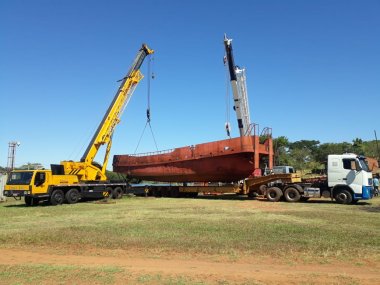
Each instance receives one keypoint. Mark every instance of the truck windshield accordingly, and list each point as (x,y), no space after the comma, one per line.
(363,165)
(20,178)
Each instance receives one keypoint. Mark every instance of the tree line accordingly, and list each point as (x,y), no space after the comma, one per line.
(311,154)
(303,155)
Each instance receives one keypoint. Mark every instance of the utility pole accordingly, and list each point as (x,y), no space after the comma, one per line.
(12,155)
(377,146)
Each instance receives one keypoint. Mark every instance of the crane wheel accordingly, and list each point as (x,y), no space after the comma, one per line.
(274,194)
(57,197)
(72,196)
(292,195)
(30,201)
(116,193)
(119,192)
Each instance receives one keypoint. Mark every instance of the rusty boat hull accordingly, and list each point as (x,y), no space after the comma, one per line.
(219,161)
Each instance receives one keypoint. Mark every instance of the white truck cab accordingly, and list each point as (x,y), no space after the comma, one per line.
(349,178)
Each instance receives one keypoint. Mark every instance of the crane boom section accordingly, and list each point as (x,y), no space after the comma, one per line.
(239,90)
(103,135)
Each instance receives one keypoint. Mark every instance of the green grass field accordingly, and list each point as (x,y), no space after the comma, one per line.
(312,232)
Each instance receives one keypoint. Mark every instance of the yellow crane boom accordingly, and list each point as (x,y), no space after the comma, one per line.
(85,168)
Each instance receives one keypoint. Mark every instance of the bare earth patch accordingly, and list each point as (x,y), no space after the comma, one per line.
(206,270)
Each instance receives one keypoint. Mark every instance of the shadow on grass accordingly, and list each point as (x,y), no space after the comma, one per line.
(224,197)
(46,203)
(375,209)
(41,204)
(263,199)
(328,201)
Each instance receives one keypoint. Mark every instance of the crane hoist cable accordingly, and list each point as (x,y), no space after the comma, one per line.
(228,104)
(151,75)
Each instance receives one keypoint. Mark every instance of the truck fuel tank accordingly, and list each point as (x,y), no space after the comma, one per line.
(311,192)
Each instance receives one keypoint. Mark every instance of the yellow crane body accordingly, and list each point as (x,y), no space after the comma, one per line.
(72,180)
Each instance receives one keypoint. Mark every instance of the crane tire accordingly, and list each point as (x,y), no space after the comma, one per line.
(292,195)
(110,193)
(57,197)
(274,194)
(117,193)
(31,201)
(72,196)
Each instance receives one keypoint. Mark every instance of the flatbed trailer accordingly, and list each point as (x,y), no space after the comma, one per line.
(347,182)
(247,187)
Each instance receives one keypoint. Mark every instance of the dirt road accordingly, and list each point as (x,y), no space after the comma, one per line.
(208,270)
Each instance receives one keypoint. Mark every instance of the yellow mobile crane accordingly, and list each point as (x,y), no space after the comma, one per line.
(72,180)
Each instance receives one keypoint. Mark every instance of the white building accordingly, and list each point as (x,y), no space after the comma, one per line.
(3,180)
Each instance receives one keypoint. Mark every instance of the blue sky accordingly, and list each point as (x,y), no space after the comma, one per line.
(313,71)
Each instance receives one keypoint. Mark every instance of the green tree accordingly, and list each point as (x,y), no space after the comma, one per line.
(300,157)
(357,146)
(302,154)
(331,148)
(371,149)
(31,166)
(310,154)
(311,145)
(281,147)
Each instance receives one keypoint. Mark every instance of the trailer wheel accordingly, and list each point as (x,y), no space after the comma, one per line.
(174,192)
(57,197)
(72,196)
(292,195)
(274,194)
(117,193)
(343,196)
(263,189)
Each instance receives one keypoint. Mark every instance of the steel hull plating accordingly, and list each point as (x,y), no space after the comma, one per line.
(220,161)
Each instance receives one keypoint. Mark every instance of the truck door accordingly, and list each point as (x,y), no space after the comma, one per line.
(334,171)
(351,176)
(40,184)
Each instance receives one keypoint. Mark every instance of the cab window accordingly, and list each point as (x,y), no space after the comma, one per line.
(40,178)
(348,163)
(20,178)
